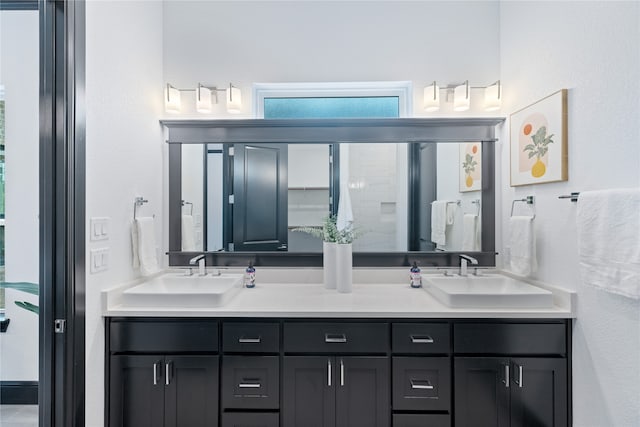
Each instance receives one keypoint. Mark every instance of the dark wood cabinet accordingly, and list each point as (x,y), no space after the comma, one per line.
(150,390)
(337,373)
(335,391)
(511,374)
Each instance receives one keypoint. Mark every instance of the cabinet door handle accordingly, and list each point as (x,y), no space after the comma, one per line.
(421,339)
(329,372)
(250,383)
(507,376)
(155,373)
(335,338)
(519,380)
(243,340)
(341,373)
(420,384)
(167,373)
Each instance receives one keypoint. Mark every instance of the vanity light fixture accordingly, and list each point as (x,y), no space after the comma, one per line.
(461,94)
(461,97)
(493,97)
(234,99)
(205,97)
(432,97)
(172,99)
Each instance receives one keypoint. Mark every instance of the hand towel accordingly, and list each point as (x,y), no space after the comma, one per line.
(608,225)
(188,233)
(439,222)
(470,233)
(522,241)
(145,245)
(451,212)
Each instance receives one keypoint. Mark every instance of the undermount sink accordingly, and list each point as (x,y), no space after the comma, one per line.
(176,290)
(491,291)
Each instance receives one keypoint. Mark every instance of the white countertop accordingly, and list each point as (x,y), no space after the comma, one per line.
(377,293)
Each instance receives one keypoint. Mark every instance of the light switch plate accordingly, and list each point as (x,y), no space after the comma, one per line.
(99,260)
(99,228)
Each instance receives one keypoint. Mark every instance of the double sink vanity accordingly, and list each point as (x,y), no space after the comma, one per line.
(480,350)
(464,350)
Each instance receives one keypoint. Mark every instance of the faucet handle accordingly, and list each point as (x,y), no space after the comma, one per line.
(188,271)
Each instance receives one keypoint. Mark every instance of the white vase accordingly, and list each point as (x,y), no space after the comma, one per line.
(344,264)
(329,264)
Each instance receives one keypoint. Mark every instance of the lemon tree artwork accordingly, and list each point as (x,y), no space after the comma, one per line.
(537,148)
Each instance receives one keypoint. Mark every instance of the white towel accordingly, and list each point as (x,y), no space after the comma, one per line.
(522,241)
(451,212)
(471,233)
(439,222)
(608,223)
(188,233)
(144,245)
(344,221)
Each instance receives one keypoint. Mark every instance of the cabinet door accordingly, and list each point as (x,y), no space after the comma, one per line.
(539,392)
(482,391)
(191,391)
(308,391)
(362,392)
(136,391)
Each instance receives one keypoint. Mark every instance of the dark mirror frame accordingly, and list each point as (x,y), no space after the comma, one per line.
(327,131)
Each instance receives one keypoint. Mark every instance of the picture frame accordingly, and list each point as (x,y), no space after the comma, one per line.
(470,167)
(538,141)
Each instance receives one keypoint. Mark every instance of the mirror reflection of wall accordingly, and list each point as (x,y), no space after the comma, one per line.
(192,197)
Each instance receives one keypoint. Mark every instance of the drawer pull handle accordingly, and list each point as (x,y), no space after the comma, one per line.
(248,385)
(167,372)
(329,372)
(155,373)
(335,338)
(420,384)
(341,373)
(243,340)
(421,339)
(507,375)
(519,380)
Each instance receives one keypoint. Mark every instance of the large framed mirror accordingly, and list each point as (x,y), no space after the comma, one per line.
(241,190)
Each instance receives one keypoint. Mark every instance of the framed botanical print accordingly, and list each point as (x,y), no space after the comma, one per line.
(539,141)
(470,167)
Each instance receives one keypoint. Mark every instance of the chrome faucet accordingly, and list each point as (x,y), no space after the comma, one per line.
(200,260)
(464,259)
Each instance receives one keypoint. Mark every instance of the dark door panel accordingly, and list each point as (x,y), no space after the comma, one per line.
(260,197)
(308,395)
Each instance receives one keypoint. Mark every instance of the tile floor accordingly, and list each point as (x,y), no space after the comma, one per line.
(18,415)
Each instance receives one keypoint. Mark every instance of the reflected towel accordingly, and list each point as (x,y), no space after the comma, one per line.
(188,233)
(522,241)
(471,233)
(608,224)
(144,245)
(451,212)
(439,222)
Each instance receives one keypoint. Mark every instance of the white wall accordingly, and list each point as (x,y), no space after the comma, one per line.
(19,74)
(592,49)
(326,41)
(125,152)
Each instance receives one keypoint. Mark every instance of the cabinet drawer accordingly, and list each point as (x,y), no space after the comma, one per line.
(336,337)
(250,382)
(421,420)
(421,383)
(509,338)
(250,337)
(253,419)
(420,338)
(164,336)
